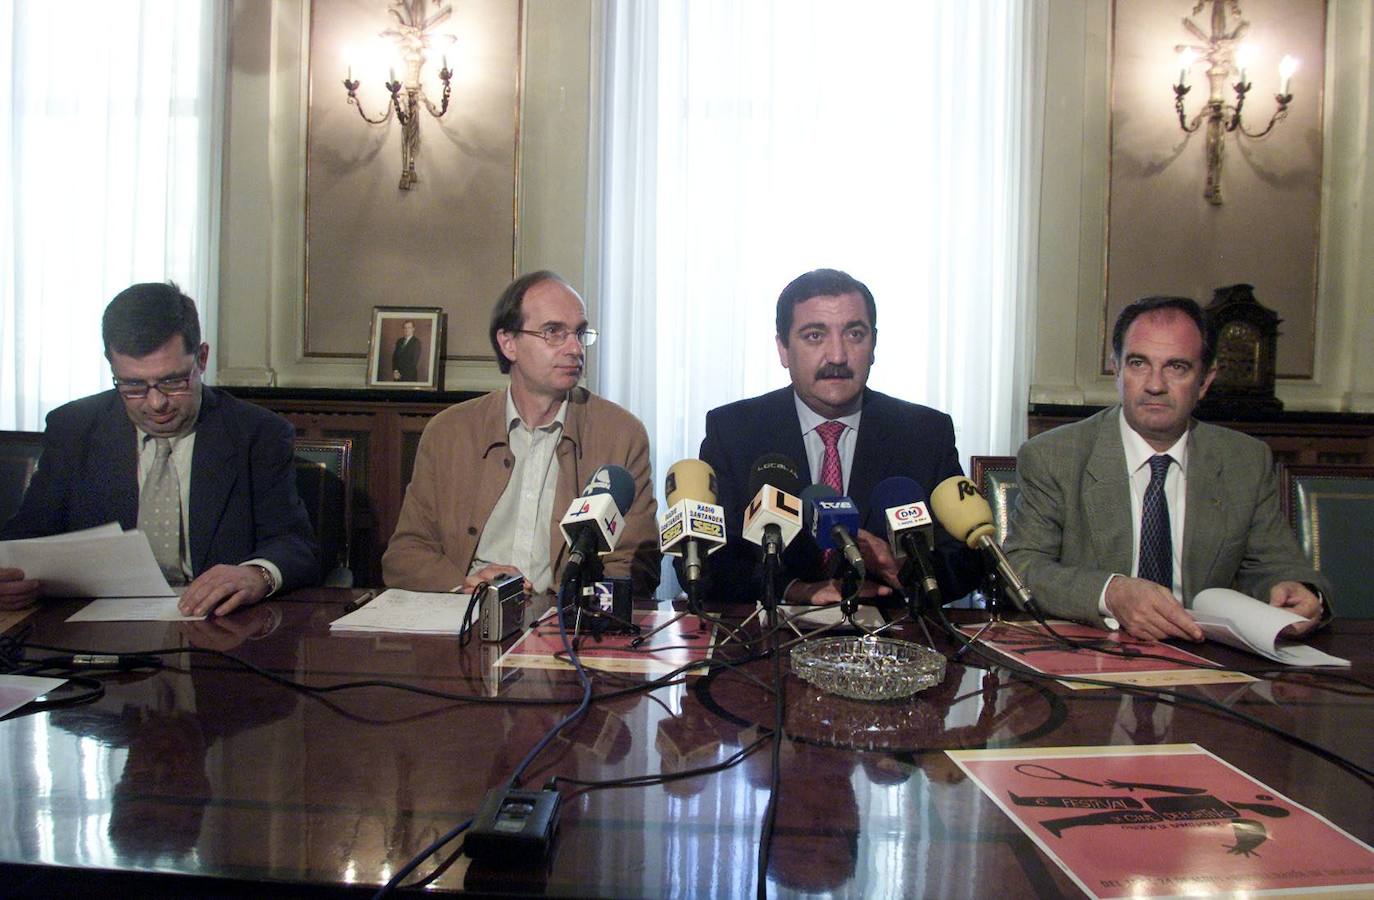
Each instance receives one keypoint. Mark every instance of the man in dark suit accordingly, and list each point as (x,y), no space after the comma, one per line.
(1125,516)
(405,358)
(207,477)
(837,431)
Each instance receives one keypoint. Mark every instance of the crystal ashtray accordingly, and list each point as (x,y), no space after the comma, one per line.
(867,667)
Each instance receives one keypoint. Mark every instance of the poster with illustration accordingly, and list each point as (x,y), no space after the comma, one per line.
(1178,821)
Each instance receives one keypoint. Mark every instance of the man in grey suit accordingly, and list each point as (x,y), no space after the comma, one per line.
(1125,516)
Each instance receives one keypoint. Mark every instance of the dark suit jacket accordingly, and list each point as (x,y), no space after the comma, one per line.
(895,438)
(1071,528)
(406,358)
(243,488)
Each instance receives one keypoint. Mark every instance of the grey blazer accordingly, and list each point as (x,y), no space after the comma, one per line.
(1071,527)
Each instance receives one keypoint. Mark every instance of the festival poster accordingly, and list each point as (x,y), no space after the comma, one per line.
(681,642)
(1176,820)
(1032,646)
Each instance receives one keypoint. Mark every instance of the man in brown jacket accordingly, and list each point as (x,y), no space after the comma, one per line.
(494,475)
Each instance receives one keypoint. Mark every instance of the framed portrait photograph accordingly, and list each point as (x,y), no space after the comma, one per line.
(406,347)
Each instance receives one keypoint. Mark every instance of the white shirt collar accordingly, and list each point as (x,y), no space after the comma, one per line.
(513,419)
(1138,450)
(809,418)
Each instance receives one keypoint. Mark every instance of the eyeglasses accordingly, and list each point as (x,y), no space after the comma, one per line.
(175,386)
(555,335)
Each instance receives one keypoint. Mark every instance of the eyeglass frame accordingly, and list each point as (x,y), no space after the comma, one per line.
(163,386)
(585,336)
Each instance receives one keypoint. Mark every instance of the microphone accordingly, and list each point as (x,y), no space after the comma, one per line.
(594,521)
(911,534)
(693,518)
(966,515)
(832,521)
(773,518)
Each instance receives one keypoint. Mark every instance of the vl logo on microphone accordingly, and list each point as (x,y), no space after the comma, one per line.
(611,524)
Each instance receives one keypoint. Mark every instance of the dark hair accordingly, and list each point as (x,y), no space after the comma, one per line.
(143,317)
(509,315)
(821,283)
(1185,305)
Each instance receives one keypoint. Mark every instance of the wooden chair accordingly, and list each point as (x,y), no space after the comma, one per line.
(995,477)
(323,470)
(1331,507)
(19,452)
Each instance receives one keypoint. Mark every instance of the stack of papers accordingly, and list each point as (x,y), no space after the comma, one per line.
(408,612)
(1233,618)
(97,562)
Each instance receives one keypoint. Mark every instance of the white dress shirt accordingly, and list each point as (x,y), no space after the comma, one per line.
(815,447)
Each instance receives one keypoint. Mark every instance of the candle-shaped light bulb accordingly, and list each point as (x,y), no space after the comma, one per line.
(1244,54)
(390,74)
(445,64)
(1185,62)
(1287,67)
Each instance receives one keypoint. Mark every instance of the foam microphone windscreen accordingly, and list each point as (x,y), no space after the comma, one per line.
(962,510)
(888,493)
(613,480)
(690,479)
(775,470)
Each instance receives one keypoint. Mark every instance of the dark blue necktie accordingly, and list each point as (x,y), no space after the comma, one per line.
(1156,545)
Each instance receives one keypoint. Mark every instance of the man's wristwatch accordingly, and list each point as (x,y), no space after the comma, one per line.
(268,581)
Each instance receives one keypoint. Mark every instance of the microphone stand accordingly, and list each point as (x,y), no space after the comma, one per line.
(992,594)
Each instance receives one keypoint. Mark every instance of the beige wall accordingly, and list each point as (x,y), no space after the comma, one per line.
(261,253)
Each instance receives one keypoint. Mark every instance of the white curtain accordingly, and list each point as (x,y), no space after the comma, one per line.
(743,143)
(109,127)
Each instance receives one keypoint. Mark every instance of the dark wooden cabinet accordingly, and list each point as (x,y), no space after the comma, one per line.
(385,426)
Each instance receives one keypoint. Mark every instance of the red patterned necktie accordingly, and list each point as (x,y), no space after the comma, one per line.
(831,473)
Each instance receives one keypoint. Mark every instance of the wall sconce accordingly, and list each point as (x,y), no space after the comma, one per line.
(1225,57)
(413,37)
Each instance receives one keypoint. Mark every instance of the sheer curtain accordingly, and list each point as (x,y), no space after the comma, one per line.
(109,126)
(745,143)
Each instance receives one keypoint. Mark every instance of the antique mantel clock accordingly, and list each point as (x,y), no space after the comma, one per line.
(1247,341)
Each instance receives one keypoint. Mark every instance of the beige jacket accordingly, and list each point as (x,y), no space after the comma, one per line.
(462,467)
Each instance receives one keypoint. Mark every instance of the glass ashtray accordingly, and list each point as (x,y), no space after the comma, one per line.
(867,667)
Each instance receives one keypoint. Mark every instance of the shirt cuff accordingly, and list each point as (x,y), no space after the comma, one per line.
(1107,620)
(271,569)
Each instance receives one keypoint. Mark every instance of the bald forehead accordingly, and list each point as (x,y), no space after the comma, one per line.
(1164,327)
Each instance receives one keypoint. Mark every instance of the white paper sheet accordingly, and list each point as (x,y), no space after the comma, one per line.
(16,690)
(408,612)
(97,562)
(1231,617)
(132,609)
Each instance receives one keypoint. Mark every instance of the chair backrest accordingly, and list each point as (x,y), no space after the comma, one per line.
(19,452)
(995,476)
(323,479)
(1331,507)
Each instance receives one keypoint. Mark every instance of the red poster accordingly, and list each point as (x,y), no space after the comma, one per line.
(1032,646)
(681,642)
(1177,820)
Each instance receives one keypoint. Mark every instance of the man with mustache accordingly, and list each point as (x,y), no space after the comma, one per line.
(1123,517)
(493,476)
(831,425)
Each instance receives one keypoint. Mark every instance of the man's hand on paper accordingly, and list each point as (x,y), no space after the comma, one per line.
(1148,610)
(17,592)
(1295,597)
(221,590)
(487,573)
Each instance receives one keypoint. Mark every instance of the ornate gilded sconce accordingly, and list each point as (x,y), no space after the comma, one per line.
(413,36)
(1225,58)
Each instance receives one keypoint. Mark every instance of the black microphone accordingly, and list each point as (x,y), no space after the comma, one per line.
(901,501)
(595,521)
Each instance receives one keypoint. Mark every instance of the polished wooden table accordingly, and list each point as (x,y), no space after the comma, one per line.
(204,779)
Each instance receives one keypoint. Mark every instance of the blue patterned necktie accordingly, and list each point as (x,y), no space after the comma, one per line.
(1156,544)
